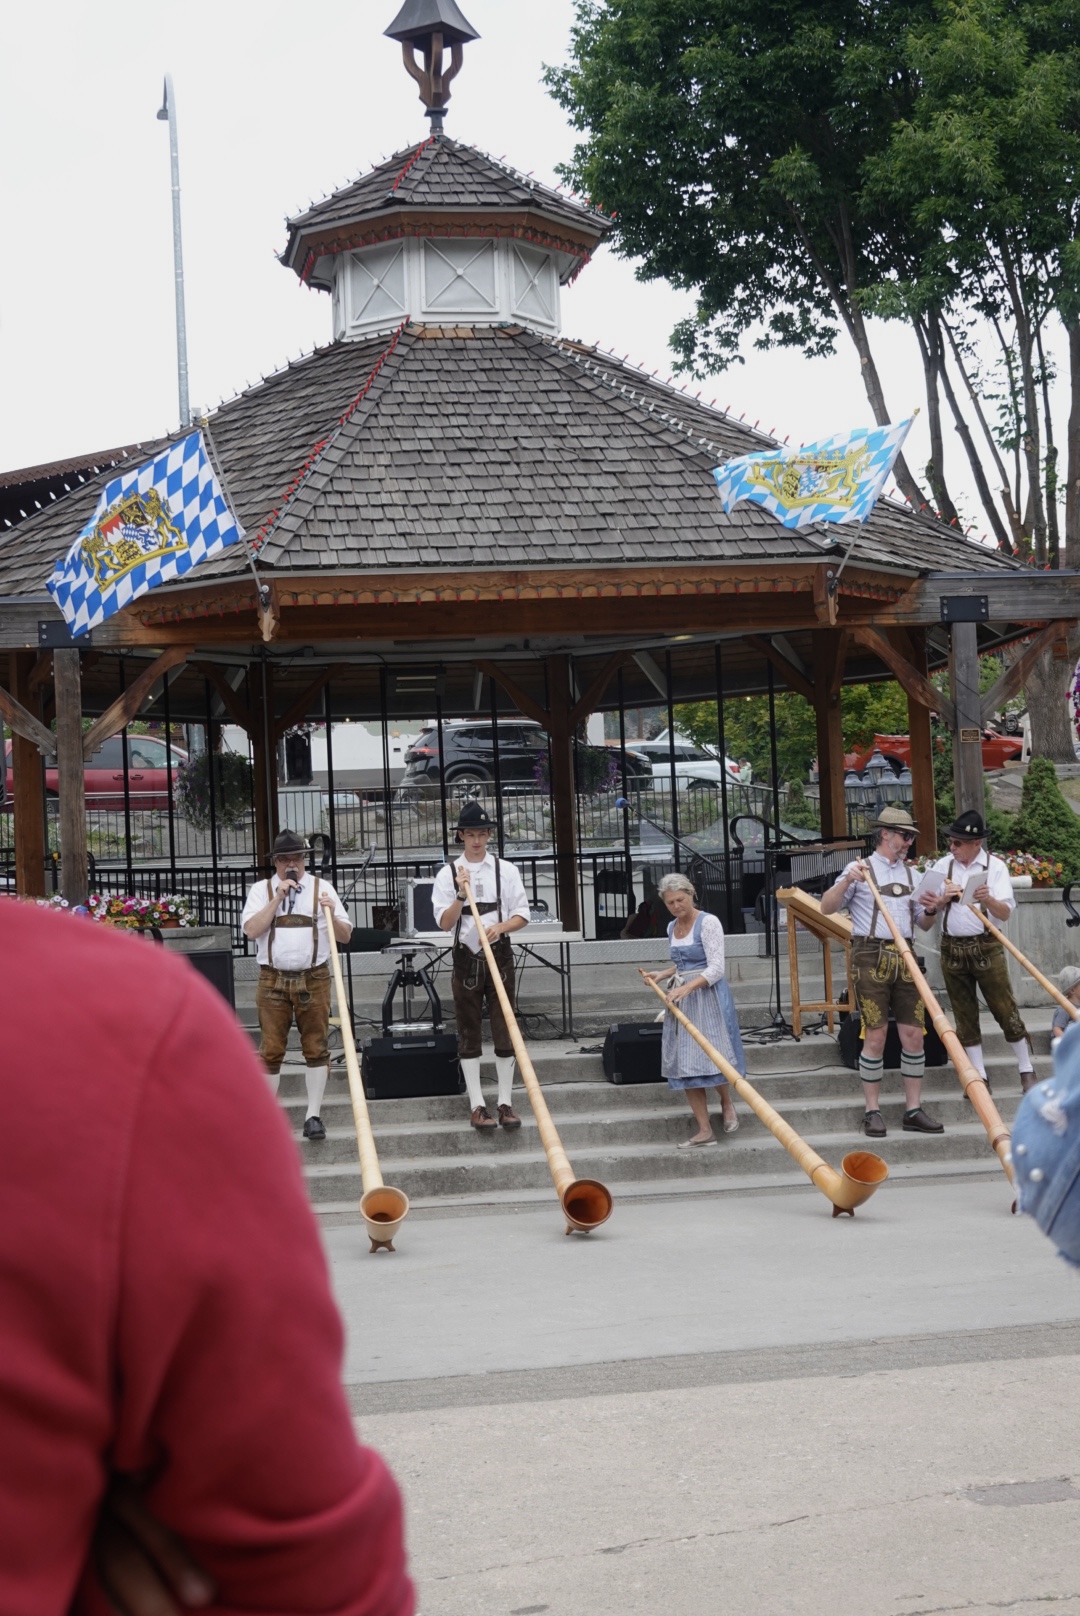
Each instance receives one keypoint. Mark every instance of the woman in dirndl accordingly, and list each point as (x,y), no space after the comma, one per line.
(700,988)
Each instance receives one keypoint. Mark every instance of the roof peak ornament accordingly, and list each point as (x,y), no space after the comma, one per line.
(432,26)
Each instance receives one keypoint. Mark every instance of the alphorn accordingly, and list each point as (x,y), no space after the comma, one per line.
(860,1171)
(972,1082)
(586,1203)
(382,1208)
(1022,959)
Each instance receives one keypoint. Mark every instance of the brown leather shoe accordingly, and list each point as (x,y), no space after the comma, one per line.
(507,1118)
(873,1125)
(482,1119)
(1028,1080)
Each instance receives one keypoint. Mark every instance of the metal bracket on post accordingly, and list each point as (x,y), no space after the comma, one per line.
(965,609)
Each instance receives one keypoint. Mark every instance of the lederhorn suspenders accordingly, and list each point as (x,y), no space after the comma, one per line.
(893,889)
(948,906)
(293,921)
(483,908)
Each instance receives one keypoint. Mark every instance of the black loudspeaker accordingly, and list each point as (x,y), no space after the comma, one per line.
(216,964)
(632,1052)
(412,1067)
(849,1041)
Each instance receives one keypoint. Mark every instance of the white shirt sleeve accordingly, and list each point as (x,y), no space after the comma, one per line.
(443,892)
(340,911)
(514,900)
(849,892)
(712,941)
(1001,887)
(258,897)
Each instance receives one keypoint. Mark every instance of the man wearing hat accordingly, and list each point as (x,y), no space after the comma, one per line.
(499,891)
(880,976)
(288,919)
(970,958)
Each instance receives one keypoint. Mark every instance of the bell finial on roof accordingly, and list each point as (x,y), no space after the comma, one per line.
(431,26)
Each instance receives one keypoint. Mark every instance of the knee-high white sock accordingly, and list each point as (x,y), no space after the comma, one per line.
(274,1080)
(470,1071)
(504,1067)
(974,1053)
(316,1088)
(1023,1055)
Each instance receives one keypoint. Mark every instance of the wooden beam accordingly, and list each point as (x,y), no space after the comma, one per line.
(588,702)
(42,671)
(25,724)
(524,703)
(127,704)
(967,718)
(70,762)
(237,710)
(842,642)
(920,734)
(298,710)
(28,796)
(1012,680)
(792,677)
(563,799)
(916,684)
(828,651)
(825,594)
(268,613)
(260,703)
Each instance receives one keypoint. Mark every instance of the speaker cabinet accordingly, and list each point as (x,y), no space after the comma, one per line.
(412,1067)
(632,1052)
(217,967)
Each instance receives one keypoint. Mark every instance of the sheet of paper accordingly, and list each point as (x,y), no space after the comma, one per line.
(971,885)
(932,881)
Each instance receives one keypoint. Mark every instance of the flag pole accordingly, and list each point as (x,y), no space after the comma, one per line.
(261,587)
(167,113)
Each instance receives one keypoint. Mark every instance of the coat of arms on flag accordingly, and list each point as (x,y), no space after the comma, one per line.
(152,524)
(837,480)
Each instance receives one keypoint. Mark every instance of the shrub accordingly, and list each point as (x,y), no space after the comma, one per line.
(1046,825)
(233,776)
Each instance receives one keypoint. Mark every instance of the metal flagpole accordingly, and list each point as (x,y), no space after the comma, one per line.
(167,113)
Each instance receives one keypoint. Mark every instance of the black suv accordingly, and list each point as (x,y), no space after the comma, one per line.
(470,757)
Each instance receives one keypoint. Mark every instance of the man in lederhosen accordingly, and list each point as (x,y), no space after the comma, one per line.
(970,958)
(288,920)
(881,979)
(500,897)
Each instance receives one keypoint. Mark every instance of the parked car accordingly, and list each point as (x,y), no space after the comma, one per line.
(997,750)
(103,776)
(470,757)
(691,762)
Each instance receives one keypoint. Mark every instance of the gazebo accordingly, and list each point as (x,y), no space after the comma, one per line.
(452,498)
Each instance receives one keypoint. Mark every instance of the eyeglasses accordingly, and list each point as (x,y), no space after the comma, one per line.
(906,835)
(961,841)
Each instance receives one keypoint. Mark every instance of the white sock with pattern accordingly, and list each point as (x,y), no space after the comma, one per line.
(316,1088)
(504,1067)
(470,1071)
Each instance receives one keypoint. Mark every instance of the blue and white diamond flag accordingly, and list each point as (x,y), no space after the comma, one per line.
(151,525)
(836,480)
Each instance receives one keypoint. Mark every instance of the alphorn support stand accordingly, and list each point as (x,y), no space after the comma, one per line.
(805,910)
(972,1082)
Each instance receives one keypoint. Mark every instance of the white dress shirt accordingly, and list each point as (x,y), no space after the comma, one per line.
(512,899)
(959,919)
(292,944)
(858,900)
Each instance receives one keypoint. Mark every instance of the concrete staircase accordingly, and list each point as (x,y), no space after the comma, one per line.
(626,1135)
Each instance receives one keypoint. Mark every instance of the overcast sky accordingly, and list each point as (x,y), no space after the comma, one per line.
(277,105)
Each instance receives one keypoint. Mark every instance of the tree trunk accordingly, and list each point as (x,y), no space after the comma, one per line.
(1072,452)
(930,349)
(1047,689)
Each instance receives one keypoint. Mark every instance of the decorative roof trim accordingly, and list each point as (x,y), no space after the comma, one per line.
(470,225)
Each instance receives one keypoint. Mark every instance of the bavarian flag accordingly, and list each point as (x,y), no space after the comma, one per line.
(836,480)
(151,525)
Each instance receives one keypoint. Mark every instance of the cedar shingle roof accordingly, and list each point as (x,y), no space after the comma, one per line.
(438,176)
(487,447)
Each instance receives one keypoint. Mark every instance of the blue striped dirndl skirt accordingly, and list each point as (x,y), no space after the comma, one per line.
(683,1062)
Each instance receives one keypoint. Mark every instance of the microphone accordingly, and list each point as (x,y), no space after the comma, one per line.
(291,875)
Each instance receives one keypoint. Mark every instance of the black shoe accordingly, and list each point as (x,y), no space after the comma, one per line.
(918,1121)
(873,1125)
(313,1128)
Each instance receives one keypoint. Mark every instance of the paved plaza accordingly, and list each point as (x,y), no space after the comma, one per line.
(727,1405)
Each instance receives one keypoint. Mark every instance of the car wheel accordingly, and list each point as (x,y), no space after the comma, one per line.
(466,783)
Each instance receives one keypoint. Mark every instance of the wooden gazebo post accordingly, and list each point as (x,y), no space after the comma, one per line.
(67,684)
(563,805)
(829,648)
(28,799)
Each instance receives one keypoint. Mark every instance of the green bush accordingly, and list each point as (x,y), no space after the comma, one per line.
(799,812)
(1046,825)
(233,776)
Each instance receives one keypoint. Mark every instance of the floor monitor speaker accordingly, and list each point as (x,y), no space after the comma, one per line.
(411,1067)
(632,1052)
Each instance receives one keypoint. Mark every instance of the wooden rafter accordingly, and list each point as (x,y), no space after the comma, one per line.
(587,703)
(25,724)
(1011,681)
(236,708)
(792,677)
(127,704)
(298,710)
(522,700)
(917,686)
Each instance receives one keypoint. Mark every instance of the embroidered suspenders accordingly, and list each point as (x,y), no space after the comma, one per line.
(894,889)
(484,908)
(290,922)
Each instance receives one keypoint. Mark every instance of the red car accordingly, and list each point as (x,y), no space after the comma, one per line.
(997,750)
(148,774)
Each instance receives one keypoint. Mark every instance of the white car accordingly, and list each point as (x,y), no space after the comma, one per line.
(691,762)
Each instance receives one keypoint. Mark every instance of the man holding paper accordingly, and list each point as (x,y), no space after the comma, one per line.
(970,958)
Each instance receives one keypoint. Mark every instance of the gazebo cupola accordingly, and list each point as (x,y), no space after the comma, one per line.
(442,234)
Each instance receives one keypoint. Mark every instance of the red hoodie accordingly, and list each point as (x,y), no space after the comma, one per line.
(164,1303)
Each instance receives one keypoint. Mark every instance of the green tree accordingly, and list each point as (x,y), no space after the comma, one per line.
(867,710)
(1046,825)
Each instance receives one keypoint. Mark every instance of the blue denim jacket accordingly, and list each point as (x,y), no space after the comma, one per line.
(1046,1149)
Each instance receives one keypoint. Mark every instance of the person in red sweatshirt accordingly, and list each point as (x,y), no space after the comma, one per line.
(165,1313)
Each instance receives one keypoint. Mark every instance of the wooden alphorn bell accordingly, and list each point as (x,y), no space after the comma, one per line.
(382,1208)
(860,1171)
(586,1203)
(972,1082)
(1022,959)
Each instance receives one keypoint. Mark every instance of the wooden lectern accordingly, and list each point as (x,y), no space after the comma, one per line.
(804,910)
